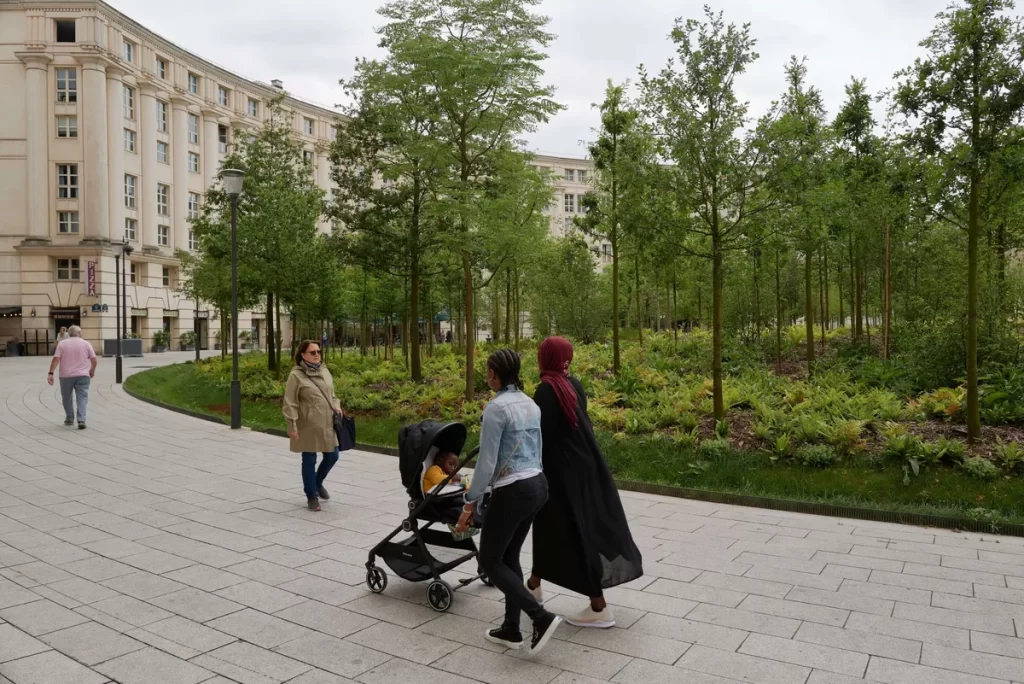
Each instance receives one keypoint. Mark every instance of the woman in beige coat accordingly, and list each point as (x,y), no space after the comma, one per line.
(309,407)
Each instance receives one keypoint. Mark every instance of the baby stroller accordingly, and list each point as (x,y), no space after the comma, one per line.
(409,558)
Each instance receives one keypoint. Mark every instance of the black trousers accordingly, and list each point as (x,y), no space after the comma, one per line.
(505,526)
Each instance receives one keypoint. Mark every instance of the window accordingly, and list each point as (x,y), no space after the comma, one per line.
(307,126)
(131,279)
(163,199)
(254,108)
(163,237)
(222,95)
(222,136)
(129,191)
(193,129)
(307,157)
(570,203)
(193,162)
(67,181)
(129,140)
(166,273)
(193,84)
(65,30)
(129,103)
(161,68)
(67,126)
(606,249)
(334,133)
(193,244)
(570,174)
(161,116)
(68,269)
(161,152)
(193,205)
(129,52)
(67,85)
(131,231)
(581,176)
(67,222)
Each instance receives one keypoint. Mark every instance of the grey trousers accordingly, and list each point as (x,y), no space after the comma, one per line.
(80,387)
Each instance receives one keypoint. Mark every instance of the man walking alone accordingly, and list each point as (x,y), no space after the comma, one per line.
(77,362)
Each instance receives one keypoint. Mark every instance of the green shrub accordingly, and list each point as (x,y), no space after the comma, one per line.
(980,468)
(817,456)
(1010,455)
(942,450)
(715,449)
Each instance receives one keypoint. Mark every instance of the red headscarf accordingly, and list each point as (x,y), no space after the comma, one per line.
(554,356)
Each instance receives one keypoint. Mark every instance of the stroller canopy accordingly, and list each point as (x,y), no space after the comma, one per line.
(414,444)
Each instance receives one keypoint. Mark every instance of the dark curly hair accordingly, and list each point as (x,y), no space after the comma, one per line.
(505,363)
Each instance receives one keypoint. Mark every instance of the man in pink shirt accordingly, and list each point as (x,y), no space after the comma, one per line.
(77,367)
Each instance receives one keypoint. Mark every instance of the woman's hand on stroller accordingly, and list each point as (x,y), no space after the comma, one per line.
(465,519)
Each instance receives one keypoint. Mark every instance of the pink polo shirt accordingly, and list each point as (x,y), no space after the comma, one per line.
(74,354)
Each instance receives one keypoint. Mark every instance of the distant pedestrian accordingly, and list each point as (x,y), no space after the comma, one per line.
(309,407)
(77,361)
(62,335)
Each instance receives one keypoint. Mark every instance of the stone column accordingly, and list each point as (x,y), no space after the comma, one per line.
(37,167)
(323,180)
(94,192)
(179,158)
(115,154)
(146,119)
(211,157)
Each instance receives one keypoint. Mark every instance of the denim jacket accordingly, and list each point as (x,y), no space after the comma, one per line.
(510,419)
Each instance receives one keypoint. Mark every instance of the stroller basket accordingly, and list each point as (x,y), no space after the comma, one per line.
(410,558)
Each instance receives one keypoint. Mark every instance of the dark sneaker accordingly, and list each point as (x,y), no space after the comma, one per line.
(313,503)
(509,637)
(69,422)
(81,426)
(543,630)
(323,493)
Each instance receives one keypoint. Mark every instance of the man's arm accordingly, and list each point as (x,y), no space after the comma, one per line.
(92,367)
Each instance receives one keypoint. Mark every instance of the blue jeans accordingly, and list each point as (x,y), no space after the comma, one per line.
(313,477)
(80,387)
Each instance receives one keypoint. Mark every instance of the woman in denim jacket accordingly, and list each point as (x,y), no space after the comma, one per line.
(509,463)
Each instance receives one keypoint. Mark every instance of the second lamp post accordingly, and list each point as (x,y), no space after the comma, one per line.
(233,180)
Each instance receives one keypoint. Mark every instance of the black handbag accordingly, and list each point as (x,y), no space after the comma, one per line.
(344,426)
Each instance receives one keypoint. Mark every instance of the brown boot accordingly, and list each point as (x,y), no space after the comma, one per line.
(313,503)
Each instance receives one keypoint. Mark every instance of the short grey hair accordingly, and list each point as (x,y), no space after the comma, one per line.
(75,331)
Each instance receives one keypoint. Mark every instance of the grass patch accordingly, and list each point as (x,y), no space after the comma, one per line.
(711,465)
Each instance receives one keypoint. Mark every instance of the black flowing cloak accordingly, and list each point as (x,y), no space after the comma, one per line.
(581,540)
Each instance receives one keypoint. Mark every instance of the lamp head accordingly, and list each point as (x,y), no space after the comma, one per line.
(233,180)
(127,249)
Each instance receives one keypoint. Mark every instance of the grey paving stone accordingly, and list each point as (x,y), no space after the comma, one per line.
(91,643)
(463,630)
(41,617)
(417,646)
(323,590)
(971,662)
(798,579)
(742,667)
(162,644)
(266,572)
(327,619)
(150,666)
(745,585)
(40,572)
(745,620)
(13,595)
(143,585)
(156,561)
(495,668)
(953,618)
(999,645)
(15,644)
(688,631)
(205,577)
(131,610)
(192,635)
(115,547)
(629,643)
(897,672)
(260,596)
(258,628)
(795,610)
(98,569)
(257,660)
(640,671)
(50,668)
(321,677)
(395,611)
(334,655)
(196,604)
(887,646)
(813,655)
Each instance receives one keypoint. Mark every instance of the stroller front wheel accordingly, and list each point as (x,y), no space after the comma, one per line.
(376,579)
(439,595)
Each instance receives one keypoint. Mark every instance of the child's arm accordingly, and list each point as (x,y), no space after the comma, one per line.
(434,477)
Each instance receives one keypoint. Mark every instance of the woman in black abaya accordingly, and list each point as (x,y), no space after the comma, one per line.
(581,539)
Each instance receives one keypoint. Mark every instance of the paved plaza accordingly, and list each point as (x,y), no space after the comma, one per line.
(154,548)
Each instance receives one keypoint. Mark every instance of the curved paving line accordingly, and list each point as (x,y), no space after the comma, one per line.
(788,505)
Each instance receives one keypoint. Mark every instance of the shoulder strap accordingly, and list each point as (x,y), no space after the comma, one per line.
(329,402)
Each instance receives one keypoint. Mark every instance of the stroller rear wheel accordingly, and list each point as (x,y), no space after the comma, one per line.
(439,595)
(376,579)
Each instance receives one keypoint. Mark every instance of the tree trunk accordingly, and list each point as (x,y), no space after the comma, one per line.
(271,353)
(675,312)
(778,313)
(429,318)
(821,301)
(519,315)
(809,308)
(508,305)
(839,282)
(973,234)
(854,310)
(416,362)
(828,304)
(717,321)
(467,278)
(277,331)
(757,298)
(886,301)
(639,311)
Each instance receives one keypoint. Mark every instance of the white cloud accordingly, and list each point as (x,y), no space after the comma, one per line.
(312,44)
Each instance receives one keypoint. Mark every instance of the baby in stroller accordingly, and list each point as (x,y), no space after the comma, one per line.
(445,465)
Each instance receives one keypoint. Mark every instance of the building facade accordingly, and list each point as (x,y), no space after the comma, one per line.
(112,135)
(572,178)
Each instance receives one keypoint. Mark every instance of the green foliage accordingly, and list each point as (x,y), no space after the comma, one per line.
(161,338)
(980,468)
(1010,456)
(817,456)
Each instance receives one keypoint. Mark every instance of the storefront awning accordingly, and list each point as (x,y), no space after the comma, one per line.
(9,311)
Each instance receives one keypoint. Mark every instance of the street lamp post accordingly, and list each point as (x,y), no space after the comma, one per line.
(122,328)
(117,313)
(233,180)
(195,326)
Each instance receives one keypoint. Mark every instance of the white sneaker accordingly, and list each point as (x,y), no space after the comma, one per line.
(537,594)
(589,617)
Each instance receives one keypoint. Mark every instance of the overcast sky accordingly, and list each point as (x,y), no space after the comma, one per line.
(311,44)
